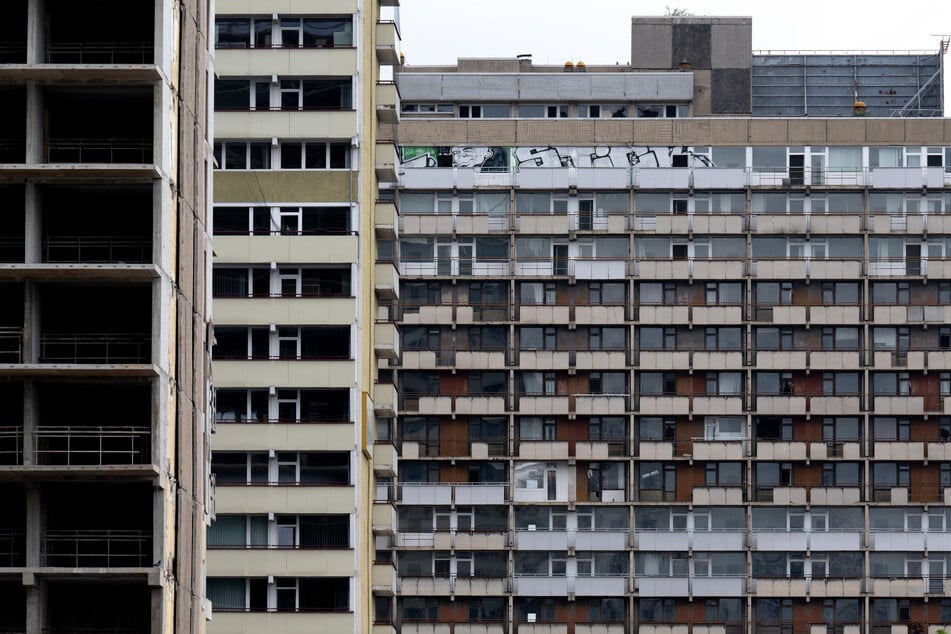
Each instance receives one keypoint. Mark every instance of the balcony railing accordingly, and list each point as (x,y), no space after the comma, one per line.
(11,446)
(96,249)
(93,548)
(93,446)
(95,348)
(11,248)
(99,53)
(11,344)
(12,547)
(81,150)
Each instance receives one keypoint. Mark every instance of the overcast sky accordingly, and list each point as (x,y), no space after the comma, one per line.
(599,31)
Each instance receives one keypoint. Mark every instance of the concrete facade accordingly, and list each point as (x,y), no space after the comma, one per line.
(305,98)
(105,322)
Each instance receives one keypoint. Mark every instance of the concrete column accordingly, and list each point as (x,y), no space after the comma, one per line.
(30,422)
(34,225)
(36,32)
(35,604)
(35,124)
(31,322)
(34,526)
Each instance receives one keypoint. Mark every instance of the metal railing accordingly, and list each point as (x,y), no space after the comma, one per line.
(99,53)
(97,548)
(12,249)
(93,445)
(96,249)
(95,348)
(85,150)
(11,446)
(12,547)
(11,344)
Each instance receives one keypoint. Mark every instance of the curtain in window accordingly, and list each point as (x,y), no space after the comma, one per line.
(533,247)
(730,383)
(652,248)
(493,204)
(417,203)
(226,593)
(227,530)
(884,157)
(845,158)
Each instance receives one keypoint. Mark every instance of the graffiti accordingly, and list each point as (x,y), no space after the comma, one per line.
(503,159)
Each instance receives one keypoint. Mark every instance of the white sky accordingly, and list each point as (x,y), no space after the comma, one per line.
(599,31)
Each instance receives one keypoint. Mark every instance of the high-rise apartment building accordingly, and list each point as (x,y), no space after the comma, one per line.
(104,166)
(305,104)
(667,365)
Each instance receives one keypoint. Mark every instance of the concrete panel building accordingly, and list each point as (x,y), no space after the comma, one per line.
(104,323)
(305,104)
(665,366)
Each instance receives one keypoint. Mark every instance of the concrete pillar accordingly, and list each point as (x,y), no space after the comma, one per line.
(35,604)
(35,124)
(36,32)
(30,422)
(34,225)
(34,526)
(31,322)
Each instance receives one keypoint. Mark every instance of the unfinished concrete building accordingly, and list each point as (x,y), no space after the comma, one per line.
(104,246)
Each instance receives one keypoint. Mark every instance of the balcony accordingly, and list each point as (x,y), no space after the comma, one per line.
(543,405)
(662,586)
(601,404)
(85,446)
(386,340)
(531,539)
(385,459)
(387,162)
(386,219)
(717,496)
(664,315)
(385,399)
(383,579)
(780,405)
(543,359)
(898,450)
(835,496)
(598,586)
(387,102)
(386,280)
(445,493)
(543,450)
(541,586)
(779,587)
(717,587)
(97,549)
(664,405)
(727,449)
(780,450)
(387,43)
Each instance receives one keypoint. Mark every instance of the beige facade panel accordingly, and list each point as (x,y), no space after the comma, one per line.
(289,622)
(287,7)
(284,249)
(337,124)
(285,62)
(286,311)
(257,562)
(695,131)
(286,187)
(286,499)
(285,436)
(287,373)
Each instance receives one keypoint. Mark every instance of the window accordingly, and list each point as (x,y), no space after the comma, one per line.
(238,531)
(603,111)
(723,338)
(724,384)
(487,383)
(428,108)
(841,338)
(485,111)
(774,383)
(658,293)
(612,338)
(603,293)
(723,474)
(841,474)
(240,342)
(316,94)
(840,383)
(661,111)
(657,338)
(657,610)
(242,155)
(537,338)
(842,293)
(240,282)
(538,293)
(658,383)
(773,293)
(316,32)
(889,293)
(718,293)
(537,383)
(607,383)
(540,111)
(314,155)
